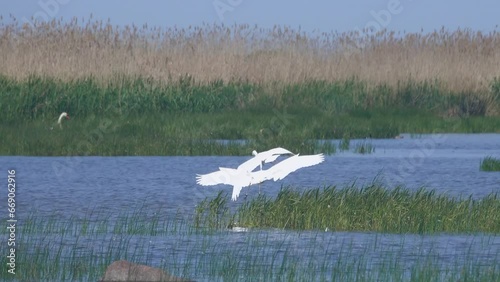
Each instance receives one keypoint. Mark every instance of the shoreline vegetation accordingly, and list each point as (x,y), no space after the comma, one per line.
(187,118)
(134,233)
(372,208)
(172,91)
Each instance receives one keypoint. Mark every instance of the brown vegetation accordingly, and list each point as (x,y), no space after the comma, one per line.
(460,60)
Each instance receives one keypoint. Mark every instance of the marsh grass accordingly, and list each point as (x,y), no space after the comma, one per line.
(57,248)
(373,208)
(490,164)
(344,143)
(135,222)
(199,134)
(142,117)
(212,213)
(364,148)
(133,91)
(164,136)
(39,97)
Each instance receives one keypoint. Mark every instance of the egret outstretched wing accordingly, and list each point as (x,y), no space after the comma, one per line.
(293,163)
(244,175)
(222,176)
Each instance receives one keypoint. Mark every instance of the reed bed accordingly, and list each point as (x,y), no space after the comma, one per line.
(152,91)
(462,59)
(364,148)
(74,247)
(490,164)
(168,135)
(139,117)
(344,143)
(373,208)
(102,222)
(39,98)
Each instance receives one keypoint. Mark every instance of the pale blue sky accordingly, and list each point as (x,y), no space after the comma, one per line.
(321,15)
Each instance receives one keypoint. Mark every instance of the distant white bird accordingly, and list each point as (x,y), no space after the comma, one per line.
(240,178)
(63,115)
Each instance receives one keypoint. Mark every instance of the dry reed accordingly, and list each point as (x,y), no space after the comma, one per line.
(460,60)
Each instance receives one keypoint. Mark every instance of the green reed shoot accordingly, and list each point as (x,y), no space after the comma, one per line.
(490,164)
(374,209)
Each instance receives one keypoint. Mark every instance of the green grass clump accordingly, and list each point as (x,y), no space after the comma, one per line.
(71,247)
(490,164)
(371,209)
(364,148)
(344,143)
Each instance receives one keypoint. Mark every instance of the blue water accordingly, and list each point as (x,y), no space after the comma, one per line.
(448,163)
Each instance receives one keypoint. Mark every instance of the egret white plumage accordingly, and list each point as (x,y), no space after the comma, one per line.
(225,174)
(265,157)
(241,177)
(63,115)
(269,156)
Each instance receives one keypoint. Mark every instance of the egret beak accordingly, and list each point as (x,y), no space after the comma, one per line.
(67,117)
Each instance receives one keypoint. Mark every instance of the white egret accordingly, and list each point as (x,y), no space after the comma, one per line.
(63,115)
(241,177)
(226,174)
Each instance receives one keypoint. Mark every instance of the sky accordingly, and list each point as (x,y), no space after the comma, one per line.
(310,16)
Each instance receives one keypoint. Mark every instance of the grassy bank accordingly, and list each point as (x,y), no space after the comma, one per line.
(137,116)
(373,208)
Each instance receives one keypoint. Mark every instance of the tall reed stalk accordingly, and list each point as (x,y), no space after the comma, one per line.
(461,60)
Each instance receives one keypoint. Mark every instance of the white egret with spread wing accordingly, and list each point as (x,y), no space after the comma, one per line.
(231,175)
(241,177)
